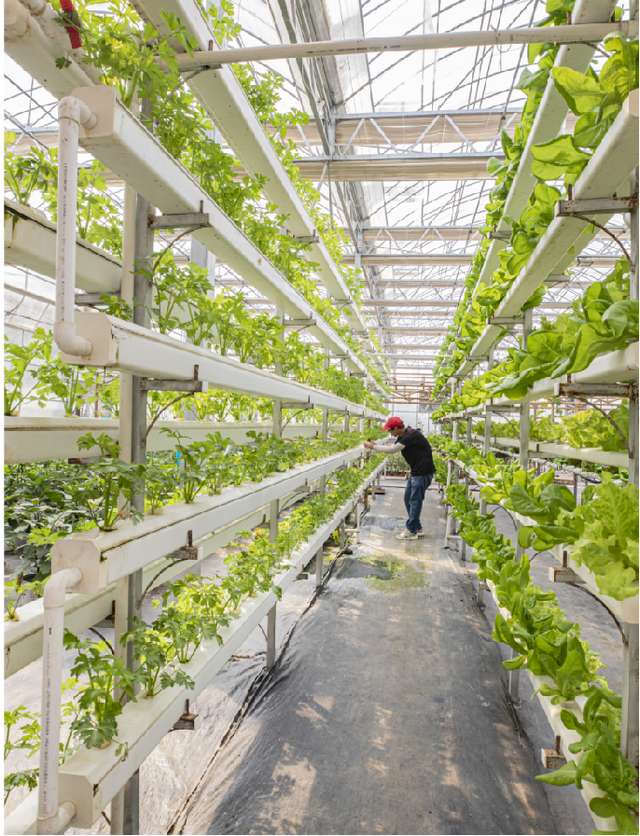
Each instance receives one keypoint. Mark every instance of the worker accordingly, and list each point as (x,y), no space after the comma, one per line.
(416,451)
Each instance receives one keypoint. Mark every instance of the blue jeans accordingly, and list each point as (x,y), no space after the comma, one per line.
(413,499)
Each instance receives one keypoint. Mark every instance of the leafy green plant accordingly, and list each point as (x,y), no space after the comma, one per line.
(160,485)
(193,474)
(596,99)
(600,761)
(26,174)
(19,588)
(29,739)
(115,478)
(549,645)
(40,507)
(18,359)
(606,537)
(75,386)
(153,652)
(98,672)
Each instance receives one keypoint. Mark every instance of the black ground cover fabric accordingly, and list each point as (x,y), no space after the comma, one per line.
(386,713)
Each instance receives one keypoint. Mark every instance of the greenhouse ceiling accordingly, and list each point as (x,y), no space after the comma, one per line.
(397,144)
(400,154)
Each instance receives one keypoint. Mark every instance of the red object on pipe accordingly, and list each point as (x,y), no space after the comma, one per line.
(70,13)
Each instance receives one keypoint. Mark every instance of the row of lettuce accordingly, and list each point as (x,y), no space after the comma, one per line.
(596,98)
(603,320)
(602,533)
(588,428)
(192,610)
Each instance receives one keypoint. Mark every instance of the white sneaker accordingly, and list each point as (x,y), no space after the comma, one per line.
(421,532)
(406,535)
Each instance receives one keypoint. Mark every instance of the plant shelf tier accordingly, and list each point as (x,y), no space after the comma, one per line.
(92,777)
(30,241)
(604,175)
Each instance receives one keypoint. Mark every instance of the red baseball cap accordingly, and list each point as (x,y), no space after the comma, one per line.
(392,423)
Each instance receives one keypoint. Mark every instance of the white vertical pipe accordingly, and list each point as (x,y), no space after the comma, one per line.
(54,592)
(71,113)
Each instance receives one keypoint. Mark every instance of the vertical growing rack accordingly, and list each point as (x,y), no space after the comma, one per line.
(160,193)
(132,558)
(611,171)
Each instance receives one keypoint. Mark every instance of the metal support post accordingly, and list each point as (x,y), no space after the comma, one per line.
(525,413)
(482,588)
(143,294)
(630,707)
(325,421)
(121,624)
(486,447)
(343,535)
(629,728)
(319,556)
(633,294)
(525,422)
(274,507)
(468,441)
(271,637)
(357,510)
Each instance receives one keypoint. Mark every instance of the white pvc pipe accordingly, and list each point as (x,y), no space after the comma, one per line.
(47,18)
(51,817)
(71,114)
(594,32)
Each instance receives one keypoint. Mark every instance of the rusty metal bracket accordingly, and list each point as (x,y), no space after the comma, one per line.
(188,721)
(553,758)
(514,407)
(505,320)
(575,390)
(184,553)
(299,323)
(307,239)
(152,385)
(596,206)
(557,278)
(297,404)
(183,220)
(90,300)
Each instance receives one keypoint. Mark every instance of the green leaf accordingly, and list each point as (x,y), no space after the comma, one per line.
(563,777)
(523,504)
(558,157)
(622,318)
(603,807)
(524,536)
(620,73)
(581,92)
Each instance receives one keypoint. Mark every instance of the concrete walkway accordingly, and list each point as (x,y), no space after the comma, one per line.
(387,711)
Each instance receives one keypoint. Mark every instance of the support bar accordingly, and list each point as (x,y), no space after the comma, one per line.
(571,34)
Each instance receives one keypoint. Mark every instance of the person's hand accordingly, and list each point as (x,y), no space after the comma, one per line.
(369,445)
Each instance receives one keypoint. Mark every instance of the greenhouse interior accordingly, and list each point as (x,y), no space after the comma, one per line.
(321,417)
